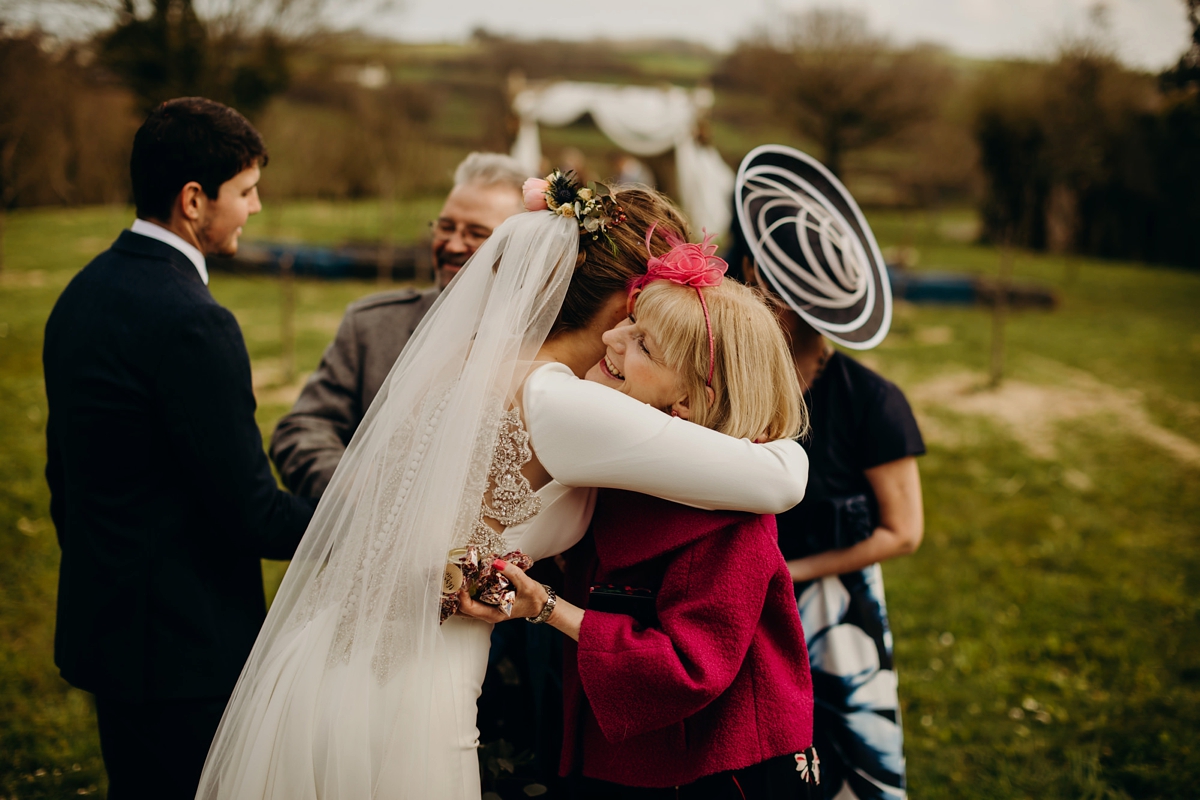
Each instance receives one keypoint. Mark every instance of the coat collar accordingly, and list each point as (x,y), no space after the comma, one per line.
(134,244)
(163,234)
(632,528)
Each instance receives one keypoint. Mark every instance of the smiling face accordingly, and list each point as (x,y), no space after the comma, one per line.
(467,219)
(633,364)
(660,355)
(221,218)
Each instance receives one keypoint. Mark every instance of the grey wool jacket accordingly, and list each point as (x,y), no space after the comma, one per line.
(309,442)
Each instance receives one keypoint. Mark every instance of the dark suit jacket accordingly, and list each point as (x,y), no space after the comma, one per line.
(161,493)
(309,442)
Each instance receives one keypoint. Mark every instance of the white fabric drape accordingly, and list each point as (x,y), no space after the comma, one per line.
(645,121)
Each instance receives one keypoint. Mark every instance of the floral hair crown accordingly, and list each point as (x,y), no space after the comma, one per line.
(686,264)
(592,206)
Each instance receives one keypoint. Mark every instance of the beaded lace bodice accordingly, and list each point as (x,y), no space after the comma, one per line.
(513,500)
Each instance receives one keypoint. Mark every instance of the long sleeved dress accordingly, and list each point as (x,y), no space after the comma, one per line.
(586,436)
(860,421)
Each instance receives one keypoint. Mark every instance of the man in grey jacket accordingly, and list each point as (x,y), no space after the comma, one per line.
(310,440)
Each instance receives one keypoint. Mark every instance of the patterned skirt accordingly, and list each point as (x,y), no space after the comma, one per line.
(856,721)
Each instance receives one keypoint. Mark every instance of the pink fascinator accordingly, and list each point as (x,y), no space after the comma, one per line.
(687,264)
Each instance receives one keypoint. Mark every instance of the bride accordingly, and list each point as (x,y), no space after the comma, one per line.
(483,434)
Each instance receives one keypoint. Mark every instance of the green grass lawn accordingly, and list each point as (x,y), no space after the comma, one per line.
(1045,632)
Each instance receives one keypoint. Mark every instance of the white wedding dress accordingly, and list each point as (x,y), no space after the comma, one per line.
(585,435)
(353,691)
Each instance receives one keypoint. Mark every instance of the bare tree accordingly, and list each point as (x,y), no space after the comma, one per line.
(1186,73)
(235,51)
(32,130)
(847,88)
(288,19)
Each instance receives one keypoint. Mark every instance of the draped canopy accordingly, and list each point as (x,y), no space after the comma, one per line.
(645,121)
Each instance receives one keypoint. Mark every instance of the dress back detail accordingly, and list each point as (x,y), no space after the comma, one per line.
(513,500)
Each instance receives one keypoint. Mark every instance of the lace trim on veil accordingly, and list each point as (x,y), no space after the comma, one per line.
(376,548)
(359,606)
(512,501)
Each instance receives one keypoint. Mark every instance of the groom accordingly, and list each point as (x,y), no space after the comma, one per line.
(161,493)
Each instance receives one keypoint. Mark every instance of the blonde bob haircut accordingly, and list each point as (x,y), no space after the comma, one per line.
(756,390)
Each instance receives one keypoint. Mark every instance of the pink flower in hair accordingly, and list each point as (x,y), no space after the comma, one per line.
(695,265)
(685,263)
(534,192)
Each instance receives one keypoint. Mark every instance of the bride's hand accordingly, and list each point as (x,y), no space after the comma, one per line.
(531,597)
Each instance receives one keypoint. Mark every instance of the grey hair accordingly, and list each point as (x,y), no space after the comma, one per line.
(490,169)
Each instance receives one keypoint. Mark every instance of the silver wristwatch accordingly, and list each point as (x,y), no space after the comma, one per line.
(547,609)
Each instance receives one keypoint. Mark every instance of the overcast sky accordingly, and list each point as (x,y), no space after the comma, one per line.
(1147,33)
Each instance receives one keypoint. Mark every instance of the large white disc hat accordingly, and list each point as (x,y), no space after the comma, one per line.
(812,245)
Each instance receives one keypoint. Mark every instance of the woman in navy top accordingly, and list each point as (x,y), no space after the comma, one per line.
(805,244)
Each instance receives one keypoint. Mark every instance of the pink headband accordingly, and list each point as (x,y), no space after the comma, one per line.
(687,264)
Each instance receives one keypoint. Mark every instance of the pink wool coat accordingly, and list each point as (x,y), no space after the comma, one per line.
(722,684)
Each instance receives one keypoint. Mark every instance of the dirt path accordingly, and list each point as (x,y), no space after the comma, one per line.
(1031,412)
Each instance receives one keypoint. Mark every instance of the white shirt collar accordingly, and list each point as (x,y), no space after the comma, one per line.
(155,231)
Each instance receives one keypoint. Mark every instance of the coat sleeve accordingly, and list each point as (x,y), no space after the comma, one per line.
(586,434)
(205,388)
(711,600)
(54,479)
(310,440)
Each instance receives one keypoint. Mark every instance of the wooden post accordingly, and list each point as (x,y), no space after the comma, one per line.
(387,224)
(7,179)
(1071,273)
(287,332)
(273,213)
(1000,314)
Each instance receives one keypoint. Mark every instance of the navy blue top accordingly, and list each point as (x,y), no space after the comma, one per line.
(859,420)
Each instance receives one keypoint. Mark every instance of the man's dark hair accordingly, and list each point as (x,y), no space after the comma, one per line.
(189,139)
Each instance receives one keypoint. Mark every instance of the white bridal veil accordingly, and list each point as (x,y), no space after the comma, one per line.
(338,693)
